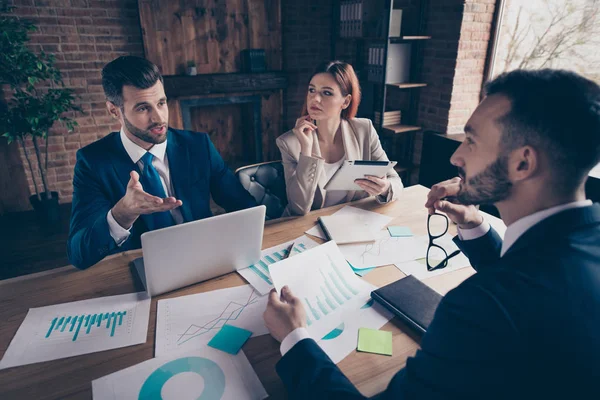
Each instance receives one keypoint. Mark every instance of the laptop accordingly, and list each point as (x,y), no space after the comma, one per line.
(193,252)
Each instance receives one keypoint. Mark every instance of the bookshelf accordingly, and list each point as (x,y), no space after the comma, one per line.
(383,40)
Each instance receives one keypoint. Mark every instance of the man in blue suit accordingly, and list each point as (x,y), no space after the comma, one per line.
(526,324)
(145,177)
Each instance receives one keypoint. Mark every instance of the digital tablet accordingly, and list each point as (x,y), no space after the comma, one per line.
(344,177)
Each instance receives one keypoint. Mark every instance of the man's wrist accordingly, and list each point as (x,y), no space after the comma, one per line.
(471,225)
(123,218)
(292,338)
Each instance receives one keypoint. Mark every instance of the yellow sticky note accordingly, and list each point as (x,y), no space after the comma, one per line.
(375,341)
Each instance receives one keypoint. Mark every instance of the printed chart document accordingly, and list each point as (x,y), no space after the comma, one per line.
(385,250)
(358,218)
(342,340)
(325,283)
(258,274)
(190,322)
(70,329)
(199,374)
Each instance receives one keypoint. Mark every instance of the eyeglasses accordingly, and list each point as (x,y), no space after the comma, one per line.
(438,224)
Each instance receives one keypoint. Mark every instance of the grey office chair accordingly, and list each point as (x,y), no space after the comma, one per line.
(266,183)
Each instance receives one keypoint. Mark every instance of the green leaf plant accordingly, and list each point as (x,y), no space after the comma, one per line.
(34,94)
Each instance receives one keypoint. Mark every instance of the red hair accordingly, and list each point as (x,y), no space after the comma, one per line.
(345,77)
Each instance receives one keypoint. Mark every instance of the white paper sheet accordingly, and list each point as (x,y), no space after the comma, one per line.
(70,329)
(418,268)
(189,322)
(366,219)
(199,374)
(258,274)
(325,283)
(342,340)
(386,250)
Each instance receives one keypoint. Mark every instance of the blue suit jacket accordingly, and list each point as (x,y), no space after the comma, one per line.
(100,181)
(524,326)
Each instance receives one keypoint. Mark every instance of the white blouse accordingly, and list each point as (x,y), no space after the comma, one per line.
(333,197)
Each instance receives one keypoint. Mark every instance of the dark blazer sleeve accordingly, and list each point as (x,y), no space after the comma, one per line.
(461,356)
(482,251)
(308,373)
(225,188)
(89,235)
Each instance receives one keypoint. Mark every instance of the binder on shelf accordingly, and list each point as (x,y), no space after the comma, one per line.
(398,63)
(395,23)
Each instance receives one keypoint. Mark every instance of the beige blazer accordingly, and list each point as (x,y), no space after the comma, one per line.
(305,176)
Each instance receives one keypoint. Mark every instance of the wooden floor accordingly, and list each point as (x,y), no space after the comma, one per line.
(25,247)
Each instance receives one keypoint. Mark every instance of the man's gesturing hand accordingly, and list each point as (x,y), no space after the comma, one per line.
(442,197)
(137,202)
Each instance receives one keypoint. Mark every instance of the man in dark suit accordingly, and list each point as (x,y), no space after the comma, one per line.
(145,177)
(526,324)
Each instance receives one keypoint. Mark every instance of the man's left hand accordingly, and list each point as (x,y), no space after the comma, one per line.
(284,313)
(374,186)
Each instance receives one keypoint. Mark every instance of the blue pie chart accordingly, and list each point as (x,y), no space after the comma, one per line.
(214,378)
(334,333)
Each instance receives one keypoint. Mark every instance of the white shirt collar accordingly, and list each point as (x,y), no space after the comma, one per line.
(519,227)
(136,152)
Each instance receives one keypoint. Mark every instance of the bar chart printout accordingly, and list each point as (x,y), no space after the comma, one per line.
(70,329)
(326,285)
(258,274)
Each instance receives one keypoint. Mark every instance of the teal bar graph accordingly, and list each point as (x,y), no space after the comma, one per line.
(313,311)
(337,271)
(262,267)
(86,321)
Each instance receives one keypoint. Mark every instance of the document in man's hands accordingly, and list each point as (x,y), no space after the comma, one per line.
(342,230)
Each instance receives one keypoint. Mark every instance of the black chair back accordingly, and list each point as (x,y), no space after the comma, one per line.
(266,183)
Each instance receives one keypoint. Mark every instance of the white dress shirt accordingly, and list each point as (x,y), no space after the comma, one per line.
(160,162)
(513,232)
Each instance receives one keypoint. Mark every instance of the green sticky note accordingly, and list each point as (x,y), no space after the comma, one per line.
(230,339)
(399,231)
(375,341)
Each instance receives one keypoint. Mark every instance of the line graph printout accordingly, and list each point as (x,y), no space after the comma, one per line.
(200,374)
(189,322)
(70,329)
(385,250)
(326,285)
(258,274)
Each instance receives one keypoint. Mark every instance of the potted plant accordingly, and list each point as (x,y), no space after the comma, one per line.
(191,68)
(35,99)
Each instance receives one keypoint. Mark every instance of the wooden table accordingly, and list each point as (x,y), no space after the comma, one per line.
(71,378)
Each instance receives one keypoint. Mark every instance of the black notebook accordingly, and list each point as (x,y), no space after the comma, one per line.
(411,300)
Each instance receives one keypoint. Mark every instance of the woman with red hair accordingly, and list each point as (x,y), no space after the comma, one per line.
(325,135)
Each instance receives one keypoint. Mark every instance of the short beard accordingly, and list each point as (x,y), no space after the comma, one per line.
(490,186)
(145,135)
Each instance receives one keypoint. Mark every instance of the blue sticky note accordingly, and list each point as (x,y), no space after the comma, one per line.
(399,231)
(230,339)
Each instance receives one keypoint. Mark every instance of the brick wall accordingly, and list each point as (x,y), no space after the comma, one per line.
(470,64)
(454,62)
(83,35)
(306,29)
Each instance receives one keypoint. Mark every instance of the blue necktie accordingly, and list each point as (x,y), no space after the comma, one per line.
(152,184)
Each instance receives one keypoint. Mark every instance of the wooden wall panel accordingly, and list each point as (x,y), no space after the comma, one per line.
(210,32)
(229,132)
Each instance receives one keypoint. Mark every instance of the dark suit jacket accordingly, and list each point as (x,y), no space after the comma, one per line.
(526,325)
(101,175)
